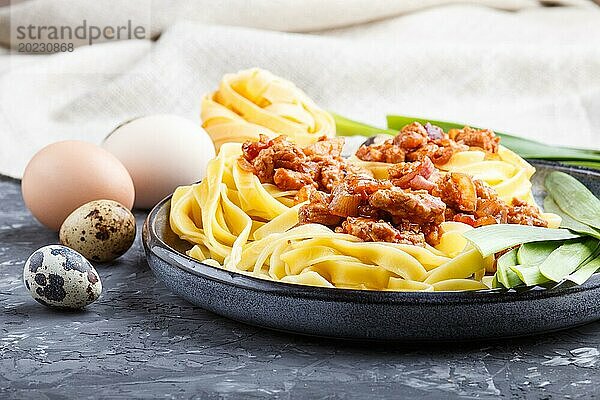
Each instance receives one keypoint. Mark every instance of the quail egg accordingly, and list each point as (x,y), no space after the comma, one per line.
(57,276)
(101,230)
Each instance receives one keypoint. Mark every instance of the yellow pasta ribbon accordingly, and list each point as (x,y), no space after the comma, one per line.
(235,222)
(462,266)
(254,102)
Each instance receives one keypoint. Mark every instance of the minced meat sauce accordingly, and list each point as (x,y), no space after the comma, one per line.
(406,208)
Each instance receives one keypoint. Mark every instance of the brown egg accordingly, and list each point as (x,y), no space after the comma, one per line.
(65,175)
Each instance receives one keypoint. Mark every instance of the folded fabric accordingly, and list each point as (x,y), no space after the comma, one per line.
(279,15)
(534,73)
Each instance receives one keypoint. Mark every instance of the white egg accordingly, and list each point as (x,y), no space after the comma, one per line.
(161,152)
(57,276)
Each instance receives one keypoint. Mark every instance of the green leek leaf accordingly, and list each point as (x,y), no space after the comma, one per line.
(574,198)
(504,274)
(568,222)
(534,254)
(586,164)
(564,260)
(491,239)
(584,272)
(530,275)
(495,283)
(348,127)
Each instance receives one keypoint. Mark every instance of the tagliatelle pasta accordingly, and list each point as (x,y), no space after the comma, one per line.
(286,205)
(255,101)
(236,222)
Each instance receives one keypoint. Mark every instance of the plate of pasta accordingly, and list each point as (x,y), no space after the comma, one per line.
(423,234)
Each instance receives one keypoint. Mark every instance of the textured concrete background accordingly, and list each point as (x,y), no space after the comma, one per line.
(139,340)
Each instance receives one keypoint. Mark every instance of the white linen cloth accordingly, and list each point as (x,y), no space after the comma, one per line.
(510,65)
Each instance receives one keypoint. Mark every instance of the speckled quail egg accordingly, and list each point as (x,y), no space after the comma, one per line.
(57,276)
(101,230)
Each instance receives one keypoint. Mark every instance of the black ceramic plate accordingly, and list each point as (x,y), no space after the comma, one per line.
(372,315)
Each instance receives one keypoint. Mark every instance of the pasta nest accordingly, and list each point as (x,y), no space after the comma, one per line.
(254,101)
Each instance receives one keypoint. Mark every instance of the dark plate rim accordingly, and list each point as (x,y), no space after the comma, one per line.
(152,241)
